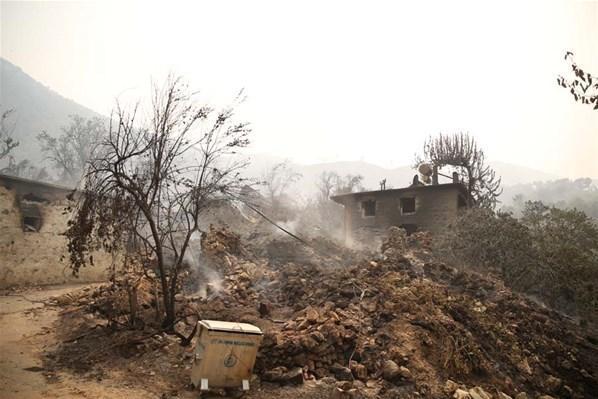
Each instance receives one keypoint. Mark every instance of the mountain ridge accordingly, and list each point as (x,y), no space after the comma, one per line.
(36,107)
(397,177)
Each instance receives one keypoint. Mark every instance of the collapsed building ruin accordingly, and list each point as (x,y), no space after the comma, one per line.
(29,196)
(369,214)
(32,242)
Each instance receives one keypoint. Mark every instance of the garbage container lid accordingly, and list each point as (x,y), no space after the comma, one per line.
(229,326)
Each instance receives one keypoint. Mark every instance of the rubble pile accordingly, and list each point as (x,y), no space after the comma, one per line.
(111,301)
(396,322)
(215,242)
(393,324)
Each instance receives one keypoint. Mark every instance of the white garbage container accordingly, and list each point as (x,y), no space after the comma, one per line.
(225,354)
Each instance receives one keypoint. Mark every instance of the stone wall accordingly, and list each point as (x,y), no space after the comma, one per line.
(32,258)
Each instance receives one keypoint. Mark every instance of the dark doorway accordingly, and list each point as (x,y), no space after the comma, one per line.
(409,228)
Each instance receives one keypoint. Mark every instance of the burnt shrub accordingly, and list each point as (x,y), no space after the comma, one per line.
(566,243)
(549,252)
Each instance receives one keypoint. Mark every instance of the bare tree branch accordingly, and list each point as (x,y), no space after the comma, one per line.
(582,86)
(462,153)
(150,181)
(7,143)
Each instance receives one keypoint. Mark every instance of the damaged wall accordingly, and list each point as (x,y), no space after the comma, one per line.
(33,257)
(368,215)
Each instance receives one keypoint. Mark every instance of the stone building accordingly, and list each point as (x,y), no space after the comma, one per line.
(32,242)
(369,214)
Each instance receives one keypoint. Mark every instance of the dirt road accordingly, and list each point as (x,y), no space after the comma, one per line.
(26,324)
(27,332)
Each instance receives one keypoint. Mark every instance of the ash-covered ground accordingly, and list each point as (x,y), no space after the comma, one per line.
(337,323)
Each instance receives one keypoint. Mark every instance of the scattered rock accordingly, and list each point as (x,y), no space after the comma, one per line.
(344,385)
(311,314)
(479,393)
(450,386)
(275,374)
(390,370)
(461,394)
(284,376)
(341,373)
(585,373)
(344,391)
(405,373)
(396,241)
(524,367)
(553,384)
(359,371)
(568,391)
(327,380)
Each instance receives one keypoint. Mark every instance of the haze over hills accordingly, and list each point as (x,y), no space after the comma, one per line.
(37,108)
(373,174)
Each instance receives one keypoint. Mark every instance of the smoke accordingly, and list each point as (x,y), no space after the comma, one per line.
(289,225)
(206,281)
(210,284)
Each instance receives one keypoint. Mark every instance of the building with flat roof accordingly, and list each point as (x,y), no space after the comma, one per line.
(369,214)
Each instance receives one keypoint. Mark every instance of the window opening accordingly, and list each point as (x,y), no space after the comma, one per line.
(368,208)
(31,216)
(407,205)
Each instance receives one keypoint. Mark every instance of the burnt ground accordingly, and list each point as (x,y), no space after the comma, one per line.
(28,331)
(34,326)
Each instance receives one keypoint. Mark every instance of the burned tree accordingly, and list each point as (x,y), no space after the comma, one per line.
(277,180)
(69,152)
(146,188)
(326,183)
(461,152)
(348,184)
(7,143)
(582,86)
(330,183)
(329,214)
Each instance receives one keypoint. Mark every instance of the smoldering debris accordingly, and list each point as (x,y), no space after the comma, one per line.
(204,280)
(393,324)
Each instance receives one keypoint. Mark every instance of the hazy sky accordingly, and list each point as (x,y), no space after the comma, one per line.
(329,81)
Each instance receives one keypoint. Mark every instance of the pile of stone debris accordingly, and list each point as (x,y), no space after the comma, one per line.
(395,325)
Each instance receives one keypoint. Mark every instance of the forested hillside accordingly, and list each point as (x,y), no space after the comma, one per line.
(36,108)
